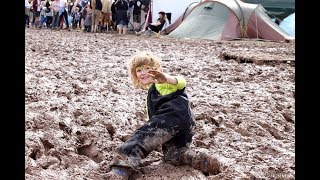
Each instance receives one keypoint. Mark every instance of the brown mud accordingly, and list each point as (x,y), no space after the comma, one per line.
(80,104)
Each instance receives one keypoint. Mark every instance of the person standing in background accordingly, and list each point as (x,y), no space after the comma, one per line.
(122,16)
(36,12)
(55,8)
(114,15)
(105,14)
(48,14)
(136,13)
(27,6)
(63,12)
(96,7)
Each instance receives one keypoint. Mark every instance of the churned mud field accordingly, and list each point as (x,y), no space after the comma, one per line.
(80,104)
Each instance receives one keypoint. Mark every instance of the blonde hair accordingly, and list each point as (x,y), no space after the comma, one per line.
(142,58)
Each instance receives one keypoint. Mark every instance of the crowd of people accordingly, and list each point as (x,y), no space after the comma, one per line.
(90,15)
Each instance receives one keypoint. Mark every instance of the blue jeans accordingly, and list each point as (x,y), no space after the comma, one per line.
(43,19)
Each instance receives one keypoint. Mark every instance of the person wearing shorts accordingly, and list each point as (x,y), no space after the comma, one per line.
(122,16)
(105,14)
(122,24)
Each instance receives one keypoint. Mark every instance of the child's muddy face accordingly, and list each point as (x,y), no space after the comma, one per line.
(143,74)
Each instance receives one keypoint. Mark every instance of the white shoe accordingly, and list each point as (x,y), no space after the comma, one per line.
(138,33)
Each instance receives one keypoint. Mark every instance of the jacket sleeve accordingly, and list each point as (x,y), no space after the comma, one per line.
(167,88)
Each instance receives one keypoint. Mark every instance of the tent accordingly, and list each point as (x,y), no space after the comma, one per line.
(288,24)
(227,20)
(276,8)
(177,22)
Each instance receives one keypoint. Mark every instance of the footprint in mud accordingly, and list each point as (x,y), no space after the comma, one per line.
(87,147)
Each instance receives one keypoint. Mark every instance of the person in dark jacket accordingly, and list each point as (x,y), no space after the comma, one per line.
(136,4)
(113,13)
(121,7)
(170,125)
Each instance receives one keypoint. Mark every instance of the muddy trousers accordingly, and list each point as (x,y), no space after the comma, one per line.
(153,134)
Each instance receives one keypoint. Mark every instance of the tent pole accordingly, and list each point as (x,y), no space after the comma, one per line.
(148,15)
(242,18)
(256,24)
(151,9)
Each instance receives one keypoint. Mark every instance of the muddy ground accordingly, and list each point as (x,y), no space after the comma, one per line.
(80,104)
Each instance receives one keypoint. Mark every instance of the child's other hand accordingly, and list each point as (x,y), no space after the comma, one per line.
(158,76)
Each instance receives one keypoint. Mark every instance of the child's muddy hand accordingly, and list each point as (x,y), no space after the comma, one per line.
(158,76)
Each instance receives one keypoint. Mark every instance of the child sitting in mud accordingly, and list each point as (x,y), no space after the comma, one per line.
(170,123)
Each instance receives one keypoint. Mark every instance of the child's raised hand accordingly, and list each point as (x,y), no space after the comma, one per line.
(158,76)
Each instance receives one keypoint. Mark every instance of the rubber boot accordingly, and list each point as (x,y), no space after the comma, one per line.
(118,173)
(139,33)
(201,160)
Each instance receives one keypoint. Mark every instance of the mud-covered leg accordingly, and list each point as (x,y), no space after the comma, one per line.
(144,140)
(118,173)
(171,154)
(176,146)
(202,160)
